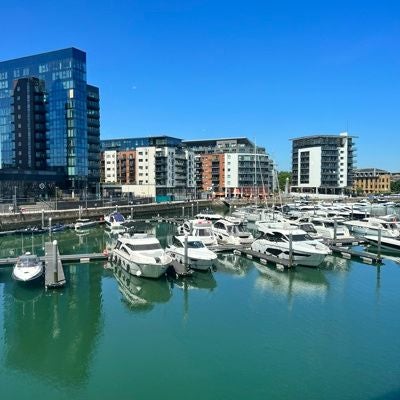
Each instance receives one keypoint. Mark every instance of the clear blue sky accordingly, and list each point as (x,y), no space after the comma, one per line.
(270,70)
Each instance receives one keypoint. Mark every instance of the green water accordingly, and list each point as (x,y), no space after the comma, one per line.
(240,332)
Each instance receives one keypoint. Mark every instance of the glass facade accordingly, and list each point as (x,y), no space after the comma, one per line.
(63,73)
(133,143)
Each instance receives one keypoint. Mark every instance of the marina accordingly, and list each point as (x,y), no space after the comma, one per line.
(284,308)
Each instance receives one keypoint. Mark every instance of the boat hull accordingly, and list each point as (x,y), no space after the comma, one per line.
(20,275)
(145,270)
(194,263)
(299,257)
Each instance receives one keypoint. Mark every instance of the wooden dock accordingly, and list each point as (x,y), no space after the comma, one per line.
(54,272)
(363,256)
(353,241)
(265,258)
(221,248)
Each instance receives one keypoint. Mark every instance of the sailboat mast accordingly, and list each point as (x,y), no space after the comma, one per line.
(255,170)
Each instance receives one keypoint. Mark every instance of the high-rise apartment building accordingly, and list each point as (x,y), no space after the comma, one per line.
(47,107)
(323,163)
(232,167)
(160,166)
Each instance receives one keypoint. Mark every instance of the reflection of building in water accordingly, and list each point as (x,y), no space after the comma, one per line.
(300,282)
(233,264)
(141,293)
(52,335)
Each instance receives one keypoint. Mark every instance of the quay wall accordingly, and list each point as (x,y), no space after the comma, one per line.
(23,219)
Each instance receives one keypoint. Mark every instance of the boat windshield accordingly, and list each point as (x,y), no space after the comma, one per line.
(117,217)
(143,247)
(300,237)
(204,232)
(195,244)
(309,228)
(28,261)
(240,228)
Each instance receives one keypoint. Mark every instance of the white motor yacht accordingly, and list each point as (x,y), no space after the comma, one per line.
(228,232)
(251,214)
(371,226)
(200,228)
(326,228)
(141,254)
(305,250)
(85,223)
(209,215)
(115,220)
(199,256)
(28,268)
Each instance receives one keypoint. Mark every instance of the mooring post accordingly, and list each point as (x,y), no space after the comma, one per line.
(42,218)
(186,252)
(50,227)
(334,230)
(55,261)
(183,211)
(379,242)
(290,250)
(197,206)
(131,212)
(80,211)
(192,209)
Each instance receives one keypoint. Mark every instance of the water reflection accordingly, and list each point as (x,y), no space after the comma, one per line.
(336,263)
(141,294)
(53,334)
(233,264)
(301,281)
(199,280)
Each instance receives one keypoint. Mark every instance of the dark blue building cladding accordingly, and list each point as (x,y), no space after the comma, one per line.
(64,75)
(133,143)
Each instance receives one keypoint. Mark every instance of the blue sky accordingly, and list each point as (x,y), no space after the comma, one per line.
(269,70)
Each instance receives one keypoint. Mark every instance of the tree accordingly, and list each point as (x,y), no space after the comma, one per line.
(282,179)
(395,187)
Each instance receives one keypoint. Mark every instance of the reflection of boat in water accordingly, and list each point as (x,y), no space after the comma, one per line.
(301,281)
(141,293)
(233,264)
(199,280)
(27,294)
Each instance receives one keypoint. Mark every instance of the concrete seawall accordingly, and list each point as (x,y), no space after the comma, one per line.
(20,220)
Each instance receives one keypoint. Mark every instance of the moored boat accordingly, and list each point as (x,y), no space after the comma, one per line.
(28,268)
(141,255)
(198,255)
(278,242)
(85,223)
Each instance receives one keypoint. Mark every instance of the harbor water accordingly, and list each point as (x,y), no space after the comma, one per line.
(243,331)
